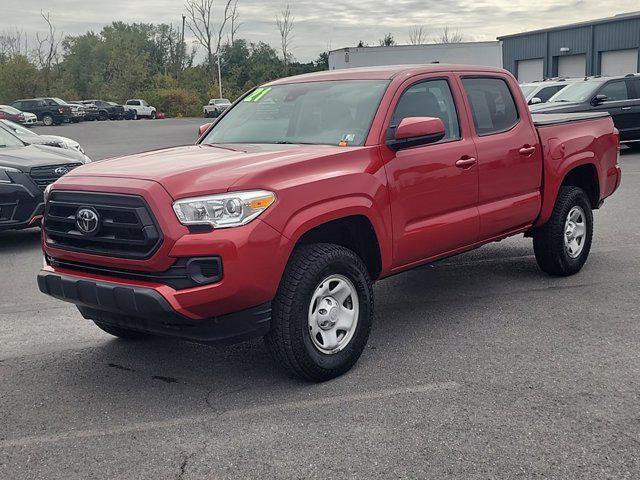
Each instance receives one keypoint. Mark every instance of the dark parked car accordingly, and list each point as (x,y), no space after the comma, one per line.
(619,96)
(25,172)
(124,113)
(107,110)
(48,110)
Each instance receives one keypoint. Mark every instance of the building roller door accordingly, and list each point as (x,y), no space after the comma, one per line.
(619,62)
(530,70)
(572,66)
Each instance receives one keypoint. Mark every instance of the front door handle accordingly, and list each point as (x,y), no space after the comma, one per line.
(527,150)
(625,108)
(466,162)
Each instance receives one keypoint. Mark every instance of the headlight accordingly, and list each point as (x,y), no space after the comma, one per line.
(225,210)
(4,178)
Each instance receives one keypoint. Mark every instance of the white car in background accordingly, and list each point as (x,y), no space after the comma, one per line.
(32,138)
(541,92)
(142,108)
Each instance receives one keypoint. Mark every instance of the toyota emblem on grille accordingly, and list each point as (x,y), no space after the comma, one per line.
(87,221)
(60,171)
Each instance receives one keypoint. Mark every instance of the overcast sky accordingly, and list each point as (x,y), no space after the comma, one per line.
(324,24)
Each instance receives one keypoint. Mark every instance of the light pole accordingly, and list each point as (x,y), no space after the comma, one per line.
(219,74)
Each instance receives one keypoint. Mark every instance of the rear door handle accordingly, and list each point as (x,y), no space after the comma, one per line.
(626,108)
(527,150)
(466,162)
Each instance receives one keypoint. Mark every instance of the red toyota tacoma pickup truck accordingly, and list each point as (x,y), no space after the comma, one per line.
(306,191)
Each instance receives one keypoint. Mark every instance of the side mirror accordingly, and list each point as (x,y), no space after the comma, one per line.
(535,100)
(203,129)
(598,99)
(415,131)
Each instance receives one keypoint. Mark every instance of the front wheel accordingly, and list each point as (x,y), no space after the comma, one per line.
(562,245)
(322,312)
(153,115)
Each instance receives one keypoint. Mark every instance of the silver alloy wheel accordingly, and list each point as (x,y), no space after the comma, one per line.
(575,231)
(333,314)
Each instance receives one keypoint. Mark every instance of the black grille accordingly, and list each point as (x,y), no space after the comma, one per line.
(127,229)
(184,273)
(44,176)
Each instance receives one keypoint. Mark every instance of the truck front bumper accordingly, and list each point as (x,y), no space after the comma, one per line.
(144,309)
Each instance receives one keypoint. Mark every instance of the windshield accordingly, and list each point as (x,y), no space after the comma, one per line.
(221,101)
(528,89)
(576,92)
(18,129)
(329,113)
(9,140)
(59,101)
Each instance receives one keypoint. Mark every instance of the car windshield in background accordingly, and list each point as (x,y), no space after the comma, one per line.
(18,129)
(59,101)
(576,92)
(10,110)
(527,89)
(224,101)
(328,113)
(8,140)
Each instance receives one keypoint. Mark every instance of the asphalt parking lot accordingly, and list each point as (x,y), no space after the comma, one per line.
(478,366)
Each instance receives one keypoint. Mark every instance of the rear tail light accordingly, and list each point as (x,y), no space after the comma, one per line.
(61,110)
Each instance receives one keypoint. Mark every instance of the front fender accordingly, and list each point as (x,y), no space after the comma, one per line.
(331,209)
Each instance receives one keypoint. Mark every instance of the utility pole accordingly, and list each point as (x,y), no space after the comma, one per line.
(180,56)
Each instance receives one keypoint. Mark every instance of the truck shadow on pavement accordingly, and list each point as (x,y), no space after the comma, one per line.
(432,302)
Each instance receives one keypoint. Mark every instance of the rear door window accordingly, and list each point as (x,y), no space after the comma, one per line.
(492,105)
(431,98)
(615,91)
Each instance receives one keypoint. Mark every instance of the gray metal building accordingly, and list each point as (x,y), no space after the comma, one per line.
(608,46)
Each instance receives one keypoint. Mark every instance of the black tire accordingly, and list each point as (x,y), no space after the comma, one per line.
(289,340)
(47,120)
(122,332)
(549,240)
(153,115)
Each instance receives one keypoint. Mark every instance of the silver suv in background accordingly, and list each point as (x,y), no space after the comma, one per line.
(215,107)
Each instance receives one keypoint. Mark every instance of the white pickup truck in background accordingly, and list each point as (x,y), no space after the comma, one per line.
(215,107)
(141,108)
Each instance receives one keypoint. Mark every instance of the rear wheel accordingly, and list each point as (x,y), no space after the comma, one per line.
(322,313)
(47,120)
(562,245)
(122,332)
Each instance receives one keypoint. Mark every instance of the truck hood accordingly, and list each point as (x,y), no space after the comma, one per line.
(25,158)
(205,169)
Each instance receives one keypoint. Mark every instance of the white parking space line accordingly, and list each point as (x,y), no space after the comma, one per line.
(257,410)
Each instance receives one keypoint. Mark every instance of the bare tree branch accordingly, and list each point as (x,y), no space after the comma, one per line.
(417,35)
(235,23)
(285,24)
(448,35)
(208,35)
(46,51)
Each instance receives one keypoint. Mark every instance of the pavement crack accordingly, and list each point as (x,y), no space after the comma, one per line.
(183,465)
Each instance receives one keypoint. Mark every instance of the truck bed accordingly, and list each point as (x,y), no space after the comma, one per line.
(545,119)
